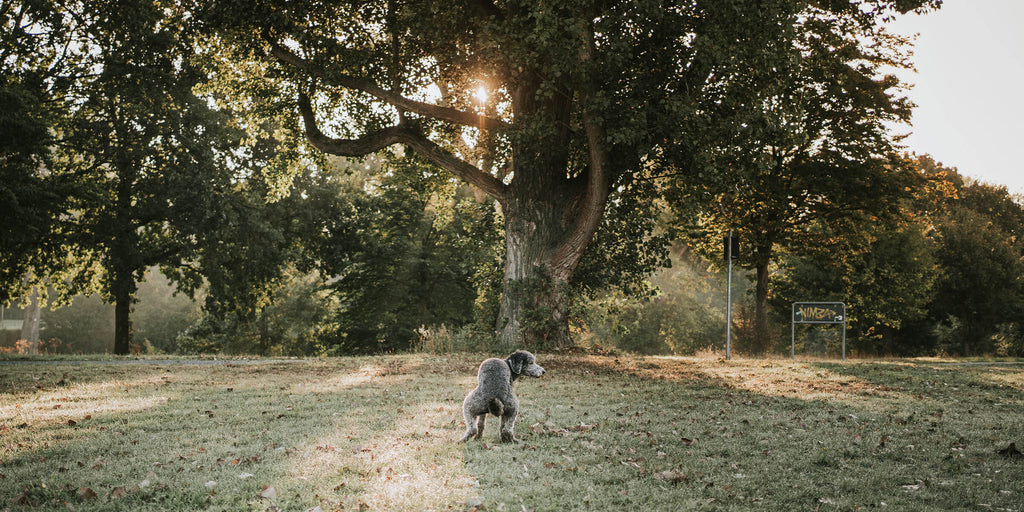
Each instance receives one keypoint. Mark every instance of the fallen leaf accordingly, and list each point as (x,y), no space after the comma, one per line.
(21,499)
(85,493)
(118,493)
(673,476)
(269,492)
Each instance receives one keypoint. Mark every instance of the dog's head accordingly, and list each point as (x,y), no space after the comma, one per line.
(522,363)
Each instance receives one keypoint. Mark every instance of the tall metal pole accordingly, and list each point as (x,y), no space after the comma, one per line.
(728,298)
(792,333)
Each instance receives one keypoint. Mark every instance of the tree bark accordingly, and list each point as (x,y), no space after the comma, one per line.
(30,326)
(534,300)
(549,222)
(761,340)
(123,258)
(123,288)
(122,320)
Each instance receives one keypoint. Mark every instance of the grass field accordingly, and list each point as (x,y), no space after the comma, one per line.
(598,433)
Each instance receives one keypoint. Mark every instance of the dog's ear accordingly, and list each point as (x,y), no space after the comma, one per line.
(516,362)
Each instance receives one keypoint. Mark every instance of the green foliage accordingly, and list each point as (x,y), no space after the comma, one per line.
(404,254)
(1009,340)
(808,155)
(980,283)
(293,322)
(632,244)
(683,315)
(947,280)
(165,134)
(887,285)
(31,42)
(143,161)
(352,259)
(584,99)
(439,339)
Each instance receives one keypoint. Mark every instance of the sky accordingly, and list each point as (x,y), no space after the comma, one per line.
(969,88)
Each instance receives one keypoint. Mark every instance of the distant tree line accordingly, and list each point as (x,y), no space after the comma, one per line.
(475,177)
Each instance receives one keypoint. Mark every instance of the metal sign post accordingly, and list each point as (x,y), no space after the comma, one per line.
(817,313)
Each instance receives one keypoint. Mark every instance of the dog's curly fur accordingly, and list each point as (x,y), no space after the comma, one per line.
(494,394)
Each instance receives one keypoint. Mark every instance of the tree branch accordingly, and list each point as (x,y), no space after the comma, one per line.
(368,86)
(398,134)
(595,196)
(469,173)
(370,143)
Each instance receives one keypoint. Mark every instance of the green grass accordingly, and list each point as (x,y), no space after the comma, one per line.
(598,433)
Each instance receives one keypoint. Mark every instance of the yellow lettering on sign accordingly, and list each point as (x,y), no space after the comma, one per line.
(819,313)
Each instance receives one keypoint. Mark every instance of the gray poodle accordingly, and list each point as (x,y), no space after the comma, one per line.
(493,394)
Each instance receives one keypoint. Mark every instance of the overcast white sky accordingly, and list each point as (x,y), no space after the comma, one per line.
(969,88)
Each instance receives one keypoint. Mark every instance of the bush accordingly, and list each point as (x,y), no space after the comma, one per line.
(678,325)
(439,339)
(1009,340)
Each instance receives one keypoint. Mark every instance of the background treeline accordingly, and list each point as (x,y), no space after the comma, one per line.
(159,195)
(421,267)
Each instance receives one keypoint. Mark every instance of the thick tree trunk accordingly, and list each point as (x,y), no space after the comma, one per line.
(534,301)
(550,219)
(761,340)
(123,297)
(30,326)
(123,258)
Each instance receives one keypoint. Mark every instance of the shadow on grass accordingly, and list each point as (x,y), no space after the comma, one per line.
(684,434)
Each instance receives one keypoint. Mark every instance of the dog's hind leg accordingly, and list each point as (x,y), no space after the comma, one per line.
(508,424)
(480,421)
(473,427)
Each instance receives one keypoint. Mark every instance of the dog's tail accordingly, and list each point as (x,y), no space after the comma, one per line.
(495,407)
